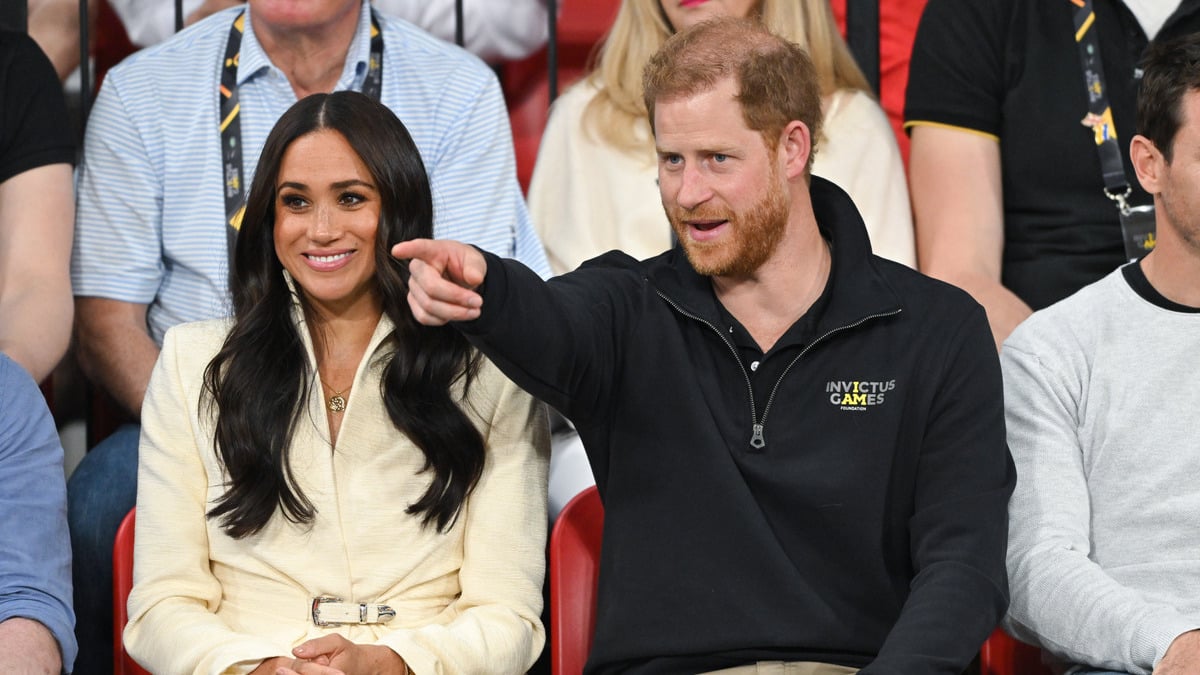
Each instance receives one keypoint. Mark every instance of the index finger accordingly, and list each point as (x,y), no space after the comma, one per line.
(421,249)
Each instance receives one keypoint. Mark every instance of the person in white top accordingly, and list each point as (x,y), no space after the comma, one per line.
(492,30)
(325,486)
(594,189)
(1103,562)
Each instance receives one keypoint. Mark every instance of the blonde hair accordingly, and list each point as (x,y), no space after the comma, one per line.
(640,29)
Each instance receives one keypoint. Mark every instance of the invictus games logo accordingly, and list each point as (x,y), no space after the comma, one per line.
(859,394)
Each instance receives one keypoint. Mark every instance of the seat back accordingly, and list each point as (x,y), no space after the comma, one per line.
(1004,655)
(123,664)
(574,570)
(895,29)
(581,25)
(103,415)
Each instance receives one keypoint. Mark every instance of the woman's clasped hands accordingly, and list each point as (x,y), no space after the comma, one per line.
(335,655)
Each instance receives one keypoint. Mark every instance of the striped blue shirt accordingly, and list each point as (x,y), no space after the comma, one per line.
(150,227)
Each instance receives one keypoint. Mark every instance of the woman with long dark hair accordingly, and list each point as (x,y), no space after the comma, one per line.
(325,485)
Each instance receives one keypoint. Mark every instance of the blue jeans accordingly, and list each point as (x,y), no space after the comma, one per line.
(101,491)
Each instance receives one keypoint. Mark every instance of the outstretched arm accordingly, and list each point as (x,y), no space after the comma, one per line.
(557,339)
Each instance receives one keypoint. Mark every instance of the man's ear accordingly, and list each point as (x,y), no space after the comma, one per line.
(1148,162)
(796,145)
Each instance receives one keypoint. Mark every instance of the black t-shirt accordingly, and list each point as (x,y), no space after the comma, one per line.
(1010,69)
(34,130)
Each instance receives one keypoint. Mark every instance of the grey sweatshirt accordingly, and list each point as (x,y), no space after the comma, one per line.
(1102,400)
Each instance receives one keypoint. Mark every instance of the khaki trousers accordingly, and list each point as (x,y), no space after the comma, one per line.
(786,668)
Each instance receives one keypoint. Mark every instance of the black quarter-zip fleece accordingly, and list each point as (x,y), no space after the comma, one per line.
(863,522)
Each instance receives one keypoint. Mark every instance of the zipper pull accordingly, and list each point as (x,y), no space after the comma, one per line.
(757,441)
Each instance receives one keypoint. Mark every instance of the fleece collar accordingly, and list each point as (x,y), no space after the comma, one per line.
(856,288)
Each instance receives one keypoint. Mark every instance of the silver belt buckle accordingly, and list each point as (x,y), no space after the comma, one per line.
(339,613)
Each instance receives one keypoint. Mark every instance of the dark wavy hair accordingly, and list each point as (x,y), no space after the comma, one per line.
(1171,68)
(257,385)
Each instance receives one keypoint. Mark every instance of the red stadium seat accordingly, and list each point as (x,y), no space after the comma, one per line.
(582,24)
(1003,655)
(574,569)
(123,664)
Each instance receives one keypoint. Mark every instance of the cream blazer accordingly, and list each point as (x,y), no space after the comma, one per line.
(587,197)
(466,601)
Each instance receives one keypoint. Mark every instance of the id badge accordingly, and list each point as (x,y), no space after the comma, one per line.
(1137,226)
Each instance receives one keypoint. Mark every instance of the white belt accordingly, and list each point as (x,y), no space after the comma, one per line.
(327,611)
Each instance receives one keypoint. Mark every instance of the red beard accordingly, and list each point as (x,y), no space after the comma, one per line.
(750,241)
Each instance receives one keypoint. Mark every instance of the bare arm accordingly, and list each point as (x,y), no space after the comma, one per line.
(37,212)
(115,349)
(27,646)
(54,25)
(954,177)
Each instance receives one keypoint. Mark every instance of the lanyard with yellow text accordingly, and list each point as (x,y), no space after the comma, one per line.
(231,125)
(1137,222)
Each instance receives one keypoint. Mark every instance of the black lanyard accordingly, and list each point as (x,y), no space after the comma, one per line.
(231,124)
(1137,223)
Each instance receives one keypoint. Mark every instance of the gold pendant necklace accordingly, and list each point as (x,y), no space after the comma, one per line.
(336,403)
